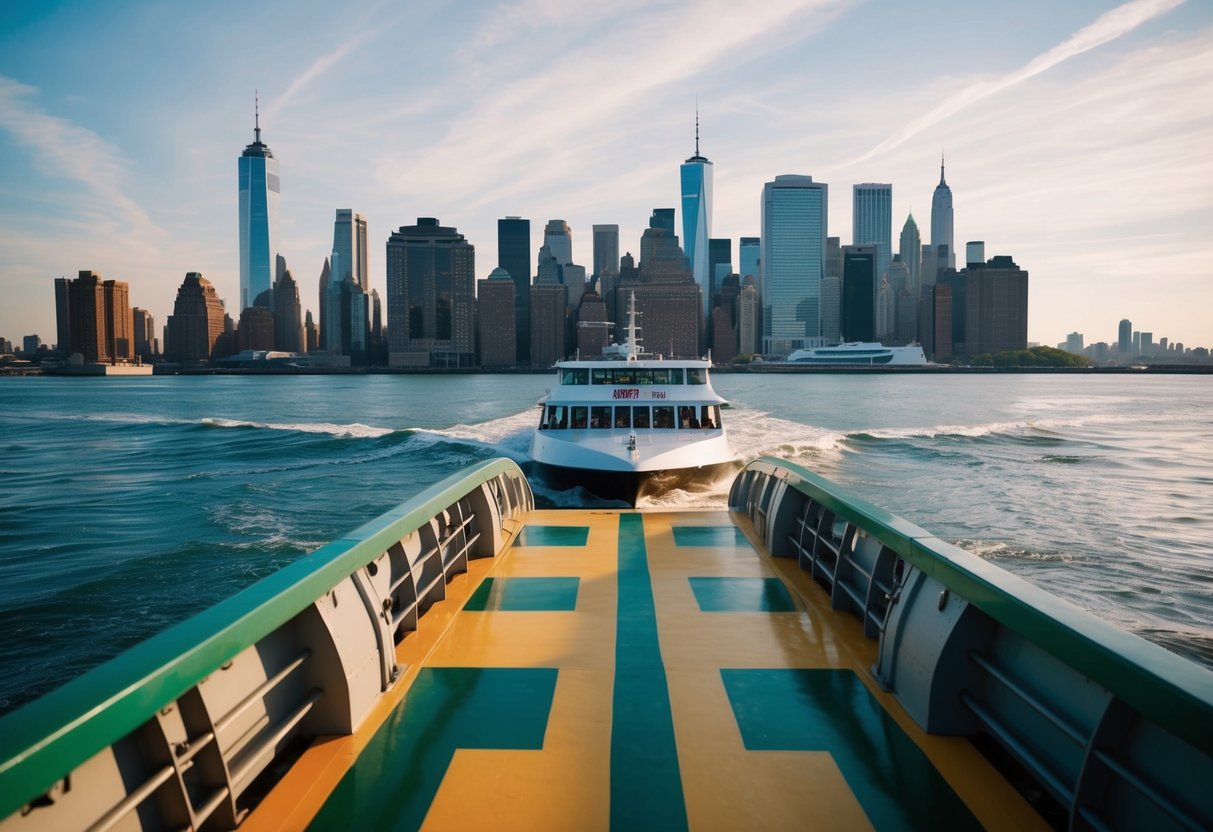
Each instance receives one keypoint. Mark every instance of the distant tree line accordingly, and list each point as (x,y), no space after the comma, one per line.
(1034,357)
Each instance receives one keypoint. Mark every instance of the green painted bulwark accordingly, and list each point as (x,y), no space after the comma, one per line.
(711,536)
(524,595)
(1172,691)
(397,775)
(43,741)
(741,595)
(831,711)
(646,785)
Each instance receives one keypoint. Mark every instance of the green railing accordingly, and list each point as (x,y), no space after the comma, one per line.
(1169,689)
(44,741)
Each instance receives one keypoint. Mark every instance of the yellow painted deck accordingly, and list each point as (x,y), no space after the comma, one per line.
(734,630)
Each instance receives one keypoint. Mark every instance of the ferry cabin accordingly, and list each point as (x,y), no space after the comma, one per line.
(642,398)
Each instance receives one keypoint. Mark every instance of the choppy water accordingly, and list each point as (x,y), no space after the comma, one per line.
(128,504)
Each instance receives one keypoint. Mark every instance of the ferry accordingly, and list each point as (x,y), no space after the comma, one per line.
(798,659)
(860,353)
(626,425)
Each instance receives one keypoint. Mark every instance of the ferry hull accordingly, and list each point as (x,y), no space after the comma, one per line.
(630,486)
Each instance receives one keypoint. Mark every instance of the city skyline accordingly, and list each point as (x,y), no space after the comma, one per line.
(1075,140)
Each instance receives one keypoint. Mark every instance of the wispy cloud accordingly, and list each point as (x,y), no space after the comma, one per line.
(1108,27)
(535,128)
(66,150)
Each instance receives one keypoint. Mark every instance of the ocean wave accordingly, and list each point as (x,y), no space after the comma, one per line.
(1001,550)
(357,430)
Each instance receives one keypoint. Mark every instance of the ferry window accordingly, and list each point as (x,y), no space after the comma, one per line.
(663,416)
(640,417)
(675,375)
(579,417)
(687,417)
(600,416)
(661,376)
(710,417)
(623,417)
(624,376)
(600,375)
(558,417)
(697,375)
(644,376)
(576,376)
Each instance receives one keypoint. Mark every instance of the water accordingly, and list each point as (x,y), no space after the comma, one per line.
(129,504)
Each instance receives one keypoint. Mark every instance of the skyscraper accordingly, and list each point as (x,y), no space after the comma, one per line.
(196,324)
(259,189)
(514,255)
(697,218)
(495,318)
(793,249)
(996,307)
(1124,341)
(63,317)
(747,255)
(326,279)
(87,323)
(288,315)
(349,248)
(663,218)
(431,296)
(346,316)
(606,250)
(941,225)
(872,215)
(858,293)
(910,249)
(720,264)
(558,237)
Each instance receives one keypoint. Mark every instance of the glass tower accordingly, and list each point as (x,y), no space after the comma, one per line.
(792,261)
(697,218)
(872,225)
(941,224)
(514,255)
(259,190)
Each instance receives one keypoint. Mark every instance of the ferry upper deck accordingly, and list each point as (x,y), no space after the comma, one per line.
(798,660)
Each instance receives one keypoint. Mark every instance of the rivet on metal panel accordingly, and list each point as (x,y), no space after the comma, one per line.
(943,600)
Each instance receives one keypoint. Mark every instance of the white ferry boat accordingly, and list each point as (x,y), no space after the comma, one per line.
(625,425)
(860,353)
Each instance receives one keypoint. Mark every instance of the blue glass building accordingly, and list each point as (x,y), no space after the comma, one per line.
(792,262)
(872,221)
(697,219)
(259,189)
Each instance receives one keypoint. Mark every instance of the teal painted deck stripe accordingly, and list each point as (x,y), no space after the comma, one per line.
(396,777)
(646,786)
(728,537)
(524,595)
(715,594)
(830,710)
(553,536)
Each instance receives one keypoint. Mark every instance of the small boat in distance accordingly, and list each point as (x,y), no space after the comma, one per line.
(626,425)
(860,354)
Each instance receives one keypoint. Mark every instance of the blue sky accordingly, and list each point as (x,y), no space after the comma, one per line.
(1078,135)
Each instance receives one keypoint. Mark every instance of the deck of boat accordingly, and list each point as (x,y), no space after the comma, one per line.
(639,670)
(464,660)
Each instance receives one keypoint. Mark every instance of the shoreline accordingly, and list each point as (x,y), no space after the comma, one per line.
(760,369)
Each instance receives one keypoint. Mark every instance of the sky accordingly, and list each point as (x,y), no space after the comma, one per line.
(1078,135)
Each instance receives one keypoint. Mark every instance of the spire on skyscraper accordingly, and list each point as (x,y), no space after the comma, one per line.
(941,180)
(697,157)
(256,117)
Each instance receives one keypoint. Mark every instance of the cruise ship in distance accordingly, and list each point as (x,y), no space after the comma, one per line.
(860,354)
